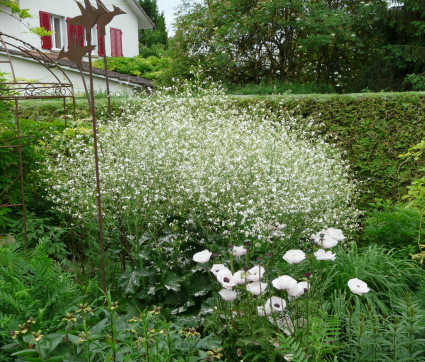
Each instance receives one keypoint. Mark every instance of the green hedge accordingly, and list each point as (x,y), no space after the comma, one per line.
(374,129)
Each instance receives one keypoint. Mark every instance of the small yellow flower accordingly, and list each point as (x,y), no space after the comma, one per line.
(83,337)
(191,332)
(154,311)
(23,328)
(85,309)
(69,317)
(37,336)
(114,305)
(14,334)
(31,320)
(216,353)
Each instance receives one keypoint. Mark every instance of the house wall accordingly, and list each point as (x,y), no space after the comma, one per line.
(29,70)
(128,23)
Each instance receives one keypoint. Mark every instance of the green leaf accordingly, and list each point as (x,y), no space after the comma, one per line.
(25,353)
(172,282)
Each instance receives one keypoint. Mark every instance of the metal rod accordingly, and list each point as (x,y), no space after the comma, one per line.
(21,171)
(64,111)
(75,116)
(96,158)
(80,67)
(108,93)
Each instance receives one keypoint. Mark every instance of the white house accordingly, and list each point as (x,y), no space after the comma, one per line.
(121,39)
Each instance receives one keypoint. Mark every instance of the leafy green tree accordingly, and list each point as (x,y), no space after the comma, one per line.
(406,42)
(243,41)
(157,36)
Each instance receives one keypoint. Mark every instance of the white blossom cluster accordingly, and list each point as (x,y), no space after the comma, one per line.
(235,170)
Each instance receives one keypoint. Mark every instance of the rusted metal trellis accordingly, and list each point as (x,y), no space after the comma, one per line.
(15,91)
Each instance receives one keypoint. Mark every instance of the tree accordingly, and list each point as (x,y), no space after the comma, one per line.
(157,36)
(405,52)
(243,41)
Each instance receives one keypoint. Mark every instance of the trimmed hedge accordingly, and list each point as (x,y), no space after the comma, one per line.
(374,129)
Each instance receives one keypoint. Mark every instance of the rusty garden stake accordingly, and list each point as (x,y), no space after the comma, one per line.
(90,16)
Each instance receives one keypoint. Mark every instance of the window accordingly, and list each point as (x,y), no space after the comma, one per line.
(56,27)
(52,23)
(116,42)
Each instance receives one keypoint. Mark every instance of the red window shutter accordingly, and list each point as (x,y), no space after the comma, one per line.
(70,31)
(80,31)
(119,45)
(46,41)
(113,43)
(100,46)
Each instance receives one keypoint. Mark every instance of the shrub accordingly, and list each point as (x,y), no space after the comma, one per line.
(374,129)
(281,88)
(36,287)
(233,172)
(150,67)
(393,226)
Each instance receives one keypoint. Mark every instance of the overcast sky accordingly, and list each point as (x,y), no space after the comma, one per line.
(169,8)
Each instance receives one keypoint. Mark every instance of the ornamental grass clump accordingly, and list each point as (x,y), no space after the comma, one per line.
(238,174)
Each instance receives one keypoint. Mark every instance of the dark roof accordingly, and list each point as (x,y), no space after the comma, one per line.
(138,81)
(144,12)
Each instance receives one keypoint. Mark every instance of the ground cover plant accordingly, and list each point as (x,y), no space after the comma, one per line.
(236,219)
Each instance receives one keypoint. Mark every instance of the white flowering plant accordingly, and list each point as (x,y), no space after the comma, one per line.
(234,171)
(283,297)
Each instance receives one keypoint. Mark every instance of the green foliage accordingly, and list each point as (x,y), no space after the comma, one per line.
(280,88)
(241,41)
(404,59)
(103,334)
(5,107)
(150,68)
(34,138)
(397,336)
(394,226)
(416,194)
(35,287)
(374,129)
(416,81)
(388,277)
(153,37)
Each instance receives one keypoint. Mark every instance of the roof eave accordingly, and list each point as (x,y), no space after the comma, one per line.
(135,5)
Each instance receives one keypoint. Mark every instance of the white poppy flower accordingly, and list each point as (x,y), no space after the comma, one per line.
(358,286)
(294,256)
(326,242)
(255,274)
(202,257)
(239,250)
(264,310)
(331,237)
(335,234)
(298,290)
(276,304)
(240,277)
(284,282)
(225,277)
(217,267)
(228,294)
(256,288)
(324,255)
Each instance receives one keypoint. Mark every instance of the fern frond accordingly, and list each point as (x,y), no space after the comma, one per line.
(291,349)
